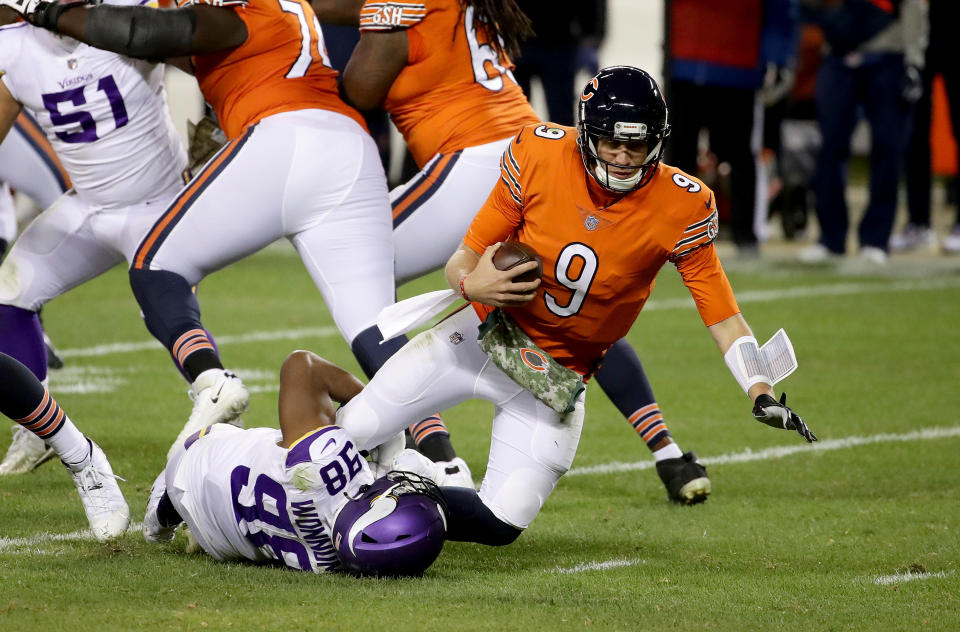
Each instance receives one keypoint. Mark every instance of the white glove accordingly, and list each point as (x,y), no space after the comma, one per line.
(382,456)
(412,461)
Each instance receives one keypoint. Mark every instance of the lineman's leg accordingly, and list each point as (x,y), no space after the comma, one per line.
(337,214)
(24,399)
(431,214)
(58,251)
(29,164)
(230,210)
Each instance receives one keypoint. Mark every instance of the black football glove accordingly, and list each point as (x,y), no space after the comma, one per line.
(41,12)
(778,415)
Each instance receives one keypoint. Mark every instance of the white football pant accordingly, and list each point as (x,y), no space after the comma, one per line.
(312,176)
(431,212)
(531,446)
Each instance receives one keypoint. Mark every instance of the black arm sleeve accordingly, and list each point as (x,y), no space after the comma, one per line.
(141,31)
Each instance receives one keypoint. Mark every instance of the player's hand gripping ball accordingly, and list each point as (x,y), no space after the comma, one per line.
(514,253)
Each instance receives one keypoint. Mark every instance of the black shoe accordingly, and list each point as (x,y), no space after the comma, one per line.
(54,361)
(685,479)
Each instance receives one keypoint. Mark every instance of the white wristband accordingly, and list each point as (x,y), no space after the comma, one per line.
(744,361)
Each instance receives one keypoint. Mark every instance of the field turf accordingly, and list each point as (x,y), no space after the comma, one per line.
(858,532)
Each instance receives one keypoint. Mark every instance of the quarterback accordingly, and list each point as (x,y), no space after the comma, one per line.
(605,216)
(443,70)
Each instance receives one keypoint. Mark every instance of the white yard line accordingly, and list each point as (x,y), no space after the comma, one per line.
(22,545)
(757,296)
(253,336)
(900,578)
(598,566)
(782,451)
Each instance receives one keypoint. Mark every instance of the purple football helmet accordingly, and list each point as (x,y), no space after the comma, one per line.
(395,527)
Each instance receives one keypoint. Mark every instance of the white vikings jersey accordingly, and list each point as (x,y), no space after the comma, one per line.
(105,115)
(243,496)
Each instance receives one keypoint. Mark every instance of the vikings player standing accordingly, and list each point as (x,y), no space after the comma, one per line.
(106,117)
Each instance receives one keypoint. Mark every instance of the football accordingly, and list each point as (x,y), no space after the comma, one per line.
(513,253)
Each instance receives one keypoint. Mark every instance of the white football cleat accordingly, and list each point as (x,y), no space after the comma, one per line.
(103,502)
(454,473)
(152,530)
(26,452)
(219,396)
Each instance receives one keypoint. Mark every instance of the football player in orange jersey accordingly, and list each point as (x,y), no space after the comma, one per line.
(444,75)
(299,164)
(605,216)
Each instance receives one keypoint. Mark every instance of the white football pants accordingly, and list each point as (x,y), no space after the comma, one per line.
(531,446)
(72,242)
(431,212)
(312,176)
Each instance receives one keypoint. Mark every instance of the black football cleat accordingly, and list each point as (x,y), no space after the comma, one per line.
(685,479)
(54,361)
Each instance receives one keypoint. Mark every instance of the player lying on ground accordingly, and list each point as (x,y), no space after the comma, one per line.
(301,496)
(24,399)
(605,216)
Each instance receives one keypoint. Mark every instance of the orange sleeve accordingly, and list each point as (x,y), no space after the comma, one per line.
(704,277)
(503,211)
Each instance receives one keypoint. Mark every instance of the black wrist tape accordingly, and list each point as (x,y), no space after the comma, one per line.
(47,13)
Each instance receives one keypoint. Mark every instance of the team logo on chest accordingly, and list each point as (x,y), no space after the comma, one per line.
(533,359)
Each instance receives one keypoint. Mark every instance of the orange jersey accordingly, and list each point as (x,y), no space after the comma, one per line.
(454,92)
(600,260)
(281,67)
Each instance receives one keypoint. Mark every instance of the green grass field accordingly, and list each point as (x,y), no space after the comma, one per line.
(858,532)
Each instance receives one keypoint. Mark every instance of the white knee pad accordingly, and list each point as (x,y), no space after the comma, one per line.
(15,275)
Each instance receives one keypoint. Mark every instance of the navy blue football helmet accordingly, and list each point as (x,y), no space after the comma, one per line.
(396,527)
(622,103)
